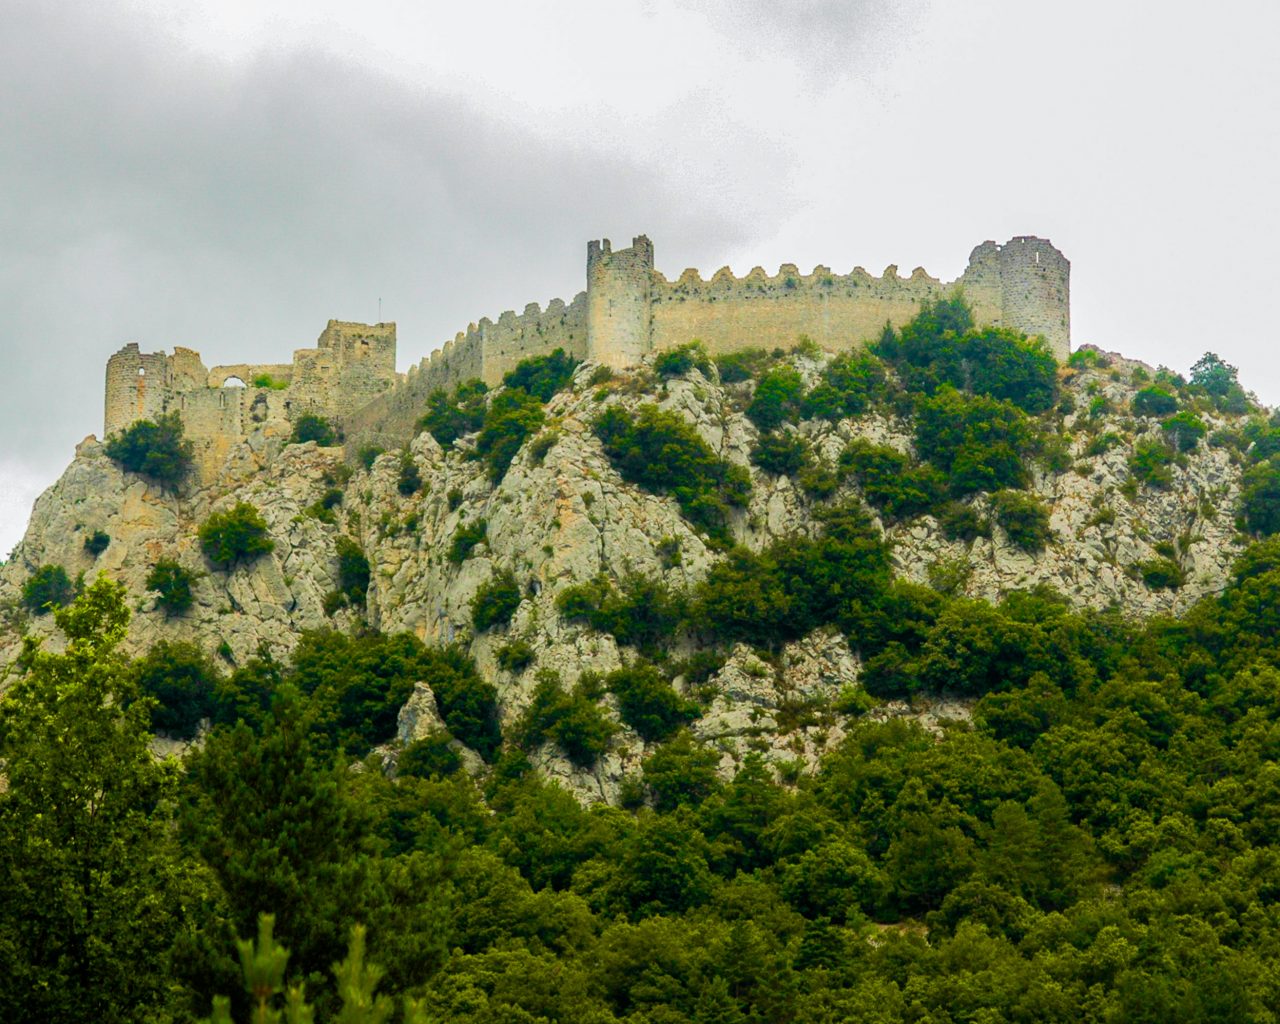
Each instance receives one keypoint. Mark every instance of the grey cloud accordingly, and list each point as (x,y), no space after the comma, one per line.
(154,195)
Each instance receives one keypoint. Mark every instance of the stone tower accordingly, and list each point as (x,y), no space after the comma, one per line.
(618,307)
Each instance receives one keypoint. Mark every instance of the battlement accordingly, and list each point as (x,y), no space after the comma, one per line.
(628,310)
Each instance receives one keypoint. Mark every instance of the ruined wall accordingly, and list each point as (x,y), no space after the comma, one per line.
(486,351)
(837,312)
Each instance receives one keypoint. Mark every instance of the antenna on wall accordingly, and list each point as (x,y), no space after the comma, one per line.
(379,309)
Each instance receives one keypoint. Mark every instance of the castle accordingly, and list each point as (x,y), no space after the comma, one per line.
(629,309)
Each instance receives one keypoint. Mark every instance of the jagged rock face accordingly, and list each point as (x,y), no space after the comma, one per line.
(565,518)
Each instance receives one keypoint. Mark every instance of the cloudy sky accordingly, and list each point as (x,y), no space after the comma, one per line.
(229,175)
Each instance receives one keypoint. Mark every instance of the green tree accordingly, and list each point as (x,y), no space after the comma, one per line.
(237,535)
(513,416)
(778,398)
(48,588)
(172,586)
(92,886)
(154,448)
(496,601)
(312,427)
(182,683)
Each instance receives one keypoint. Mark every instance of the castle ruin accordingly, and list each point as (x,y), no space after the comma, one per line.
(628,310)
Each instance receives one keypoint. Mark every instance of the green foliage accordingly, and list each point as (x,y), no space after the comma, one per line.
(1162,573)
(237,535)
(941,348)
(781,452)
(677,362)
(850,385)
(778,398)
(353,570)
(979,442)
(1184,430)
(1214,376)
(409,481)
(542,376)
(97,542)
(265,380)
(496,601)
(432,756)
(573,721)
(368,454)
(541,445)
(513,416)
(891,481)
(322,508)
(661,451)
(171,583)
(182,682)
(1260,497)
(1150,464)
(465,538)
(1155,400)
(92,884)
(962,522)
(1024,519)
(46,589)
(681,772)
(313,427)
(515,656)
(648,703)
(449,417)
(743,365)
(641,611)
(154,448)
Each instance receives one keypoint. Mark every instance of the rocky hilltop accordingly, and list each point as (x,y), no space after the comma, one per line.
(562,516)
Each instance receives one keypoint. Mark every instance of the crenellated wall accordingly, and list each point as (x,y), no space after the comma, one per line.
(628,310)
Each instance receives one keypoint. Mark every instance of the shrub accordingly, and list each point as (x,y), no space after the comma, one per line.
(818,481)
(449,417)
(236,535)
(541,445)
(432,756)
(1155,400)
(850,385)
(778,398)
(648,703)
(153,448)
(353,571)
(542,376)
(1213,376)
(980,442)
(515,656)
(1162,573)
(1103,443)
(889,480)
(573,721)
(962,522)
(677,362)
(97,542)
(736,367)
(661,451)
(265,380)
(466,537)
(496,601)
(409,481)
(172,583)
(642,612)
(1024,518)
(312,427)
(1184,430)
(369,454)
(513,416)
(1260,497)
(323,508)
(1150,464)
(46,589)
(184,684)
(781,452)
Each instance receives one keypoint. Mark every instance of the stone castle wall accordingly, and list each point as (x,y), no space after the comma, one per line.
(627,311)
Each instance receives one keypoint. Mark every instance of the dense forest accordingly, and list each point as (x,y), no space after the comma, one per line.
(1100,843)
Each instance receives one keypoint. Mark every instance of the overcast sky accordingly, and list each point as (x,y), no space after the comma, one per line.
(229,175)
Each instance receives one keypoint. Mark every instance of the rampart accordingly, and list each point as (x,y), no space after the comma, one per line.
(628,310)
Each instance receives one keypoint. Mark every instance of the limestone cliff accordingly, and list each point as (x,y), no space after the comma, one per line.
(566,516)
